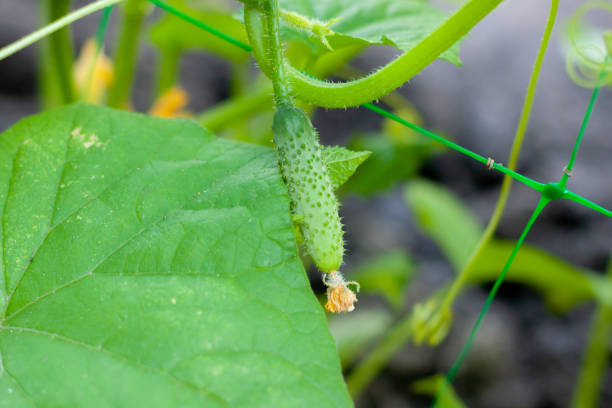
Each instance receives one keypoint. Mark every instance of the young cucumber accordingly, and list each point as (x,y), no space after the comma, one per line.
(312,198)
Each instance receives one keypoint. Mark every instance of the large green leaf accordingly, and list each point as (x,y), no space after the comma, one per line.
(389,22)
(146,263)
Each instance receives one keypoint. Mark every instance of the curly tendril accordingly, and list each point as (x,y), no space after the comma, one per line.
(586,59)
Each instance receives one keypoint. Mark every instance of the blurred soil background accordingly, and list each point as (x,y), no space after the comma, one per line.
(523,356)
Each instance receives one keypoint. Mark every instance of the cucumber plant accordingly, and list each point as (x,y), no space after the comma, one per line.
(166,258)
(314,206)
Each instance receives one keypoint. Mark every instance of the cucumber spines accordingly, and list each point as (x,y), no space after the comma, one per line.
(309,186)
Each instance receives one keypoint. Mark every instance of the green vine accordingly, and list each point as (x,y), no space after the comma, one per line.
(396,73)
(517,144)
(255,22)
(274,57)
(60,52)
(127,53)
(381,82)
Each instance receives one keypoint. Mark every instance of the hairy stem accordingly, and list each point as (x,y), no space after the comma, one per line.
(372,87)
(268,38)
(596,356)
(257,31)
(396,73)
(260,99)
(127,53)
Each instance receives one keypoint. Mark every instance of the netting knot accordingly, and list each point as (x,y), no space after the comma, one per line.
(491,163)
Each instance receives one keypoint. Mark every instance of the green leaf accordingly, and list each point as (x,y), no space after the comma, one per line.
(174,35)
(342,163)
(386,275)
(147,263)
(386,22)
(562,284)
(391,161)
(432,385)
(445,219)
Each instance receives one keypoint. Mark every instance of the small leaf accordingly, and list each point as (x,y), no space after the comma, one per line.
(562,284)
(385,22)
(445,219)
(386,275)
(342,163)
(147,263)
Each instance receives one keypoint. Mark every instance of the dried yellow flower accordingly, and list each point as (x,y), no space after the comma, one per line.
(340,299)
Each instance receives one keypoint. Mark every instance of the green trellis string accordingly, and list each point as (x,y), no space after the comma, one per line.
(452,373)
(549,191)
(100,34)
(102,26)
(498,166)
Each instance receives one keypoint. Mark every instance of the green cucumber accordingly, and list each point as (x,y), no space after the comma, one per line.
(312,197)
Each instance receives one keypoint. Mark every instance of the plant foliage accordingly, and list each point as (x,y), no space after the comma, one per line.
(146,254)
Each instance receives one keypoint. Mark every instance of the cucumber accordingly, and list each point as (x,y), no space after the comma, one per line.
(313,202)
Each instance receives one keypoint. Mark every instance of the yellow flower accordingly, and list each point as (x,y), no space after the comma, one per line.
(93,73)
(171,103)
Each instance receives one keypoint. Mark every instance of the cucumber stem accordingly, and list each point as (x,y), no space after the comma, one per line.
(278,70)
